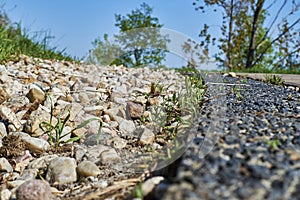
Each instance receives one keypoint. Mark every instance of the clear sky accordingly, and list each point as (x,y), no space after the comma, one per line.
(76,23)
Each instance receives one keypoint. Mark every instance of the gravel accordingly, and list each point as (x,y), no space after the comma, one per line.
(243,144)
(247,145)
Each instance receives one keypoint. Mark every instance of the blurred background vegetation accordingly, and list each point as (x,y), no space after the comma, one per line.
(256,35)
(15,41)
(246,43)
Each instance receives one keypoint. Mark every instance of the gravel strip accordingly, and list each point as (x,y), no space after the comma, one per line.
(247,146)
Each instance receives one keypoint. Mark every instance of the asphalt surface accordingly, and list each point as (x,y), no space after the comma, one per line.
(247,145)
(290,79)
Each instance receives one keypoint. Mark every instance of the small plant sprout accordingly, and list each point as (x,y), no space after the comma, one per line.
(56,133)
(243,80)
(274,79)
(156,89)
(138,192)
(237,92)
(273,144)
(238,95)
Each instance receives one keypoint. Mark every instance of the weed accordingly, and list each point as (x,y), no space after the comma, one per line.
(56,131)
(274,79)
(239,96)
(273,144)
(156,89)
(234,89)
(138,192)
(243,80)
(237,92)
(176,113)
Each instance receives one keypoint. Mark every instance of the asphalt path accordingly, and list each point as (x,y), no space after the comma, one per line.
(290,79)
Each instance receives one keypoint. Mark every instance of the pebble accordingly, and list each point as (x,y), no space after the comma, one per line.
(147,136)
(135,110)
(87,168)
(3,131)
(3,95)
(118,143)
(5,165)
(114,94)
(116,113)
(83,98)
(15,183)
(36,145)
(4,78)
(34,120)
(74,109)
(126,127)
(79,152)
(106,118)
(5,194)
(41,162)
(7,114)
(62,170)
(150,184)
(66,133)
(232,74)
(36,94)
(93,153)
(109,157)
(34,190)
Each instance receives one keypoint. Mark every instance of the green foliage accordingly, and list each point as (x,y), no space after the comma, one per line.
(138,43)
(104,51)
(14,42)
(274,79)
(138,192)
(239,95)
(195,53)
(156,89)
(246,41)
(56,133)
(173,118)
(288,53)
(273,144)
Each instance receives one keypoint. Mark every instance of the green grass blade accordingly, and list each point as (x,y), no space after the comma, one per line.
(83,124)
(73,139)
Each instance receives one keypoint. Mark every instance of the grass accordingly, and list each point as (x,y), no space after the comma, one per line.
(56,132)
(138,192)
(173,118)
(176,105)
(14,42)
(274,79)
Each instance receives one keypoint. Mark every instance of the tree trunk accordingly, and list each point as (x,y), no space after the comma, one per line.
(229,46)
(252,45)
(137,57)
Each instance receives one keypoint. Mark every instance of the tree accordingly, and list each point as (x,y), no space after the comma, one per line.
(138,42)
(246,41)
(104,52)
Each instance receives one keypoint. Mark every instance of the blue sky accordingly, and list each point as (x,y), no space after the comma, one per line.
(76,23)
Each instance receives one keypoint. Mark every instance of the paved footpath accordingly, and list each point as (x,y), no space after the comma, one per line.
(290,79)
(247,146)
